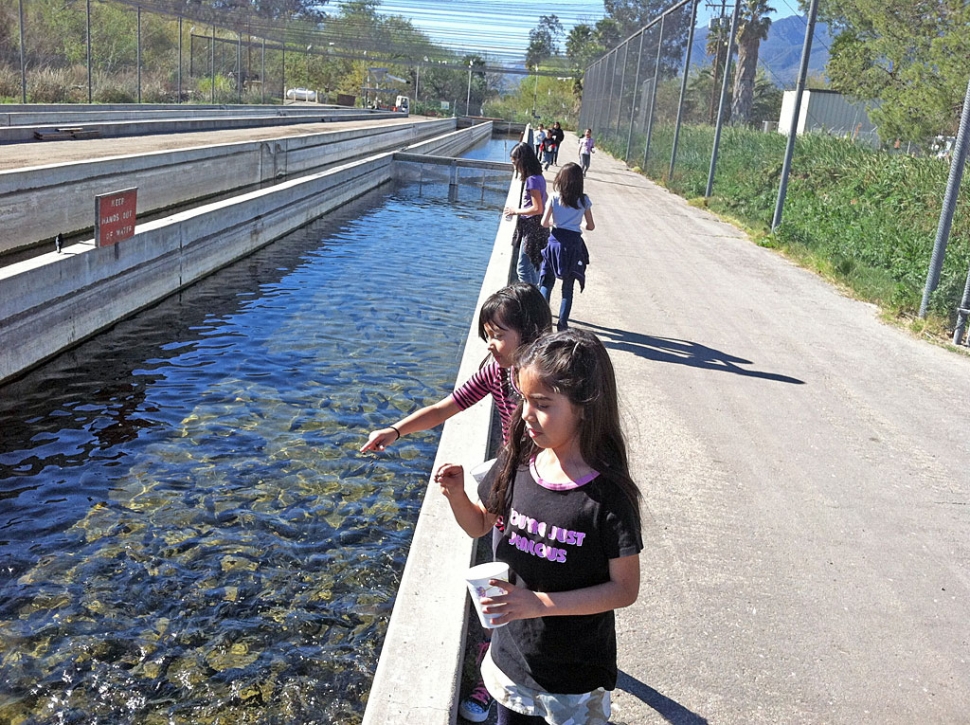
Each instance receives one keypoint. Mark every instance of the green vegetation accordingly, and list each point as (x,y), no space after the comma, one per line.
(912,57)
(862,217)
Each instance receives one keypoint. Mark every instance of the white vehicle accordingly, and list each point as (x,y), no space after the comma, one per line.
(301,94)
(402,105)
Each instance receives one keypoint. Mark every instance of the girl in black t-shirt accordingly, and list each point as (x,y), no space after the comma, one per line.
(569,517)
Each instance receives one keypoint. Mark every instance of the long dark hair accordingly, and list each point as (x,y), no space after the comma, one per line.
(524,161)
(520,307)
(569,184)
(573,363)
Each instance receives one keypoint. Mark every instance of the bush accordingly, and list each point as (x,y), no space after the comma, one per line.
(9,83)
(49,85)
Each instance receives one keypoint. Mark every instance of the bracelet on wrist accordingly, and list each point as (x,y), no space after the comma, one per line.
(396,431)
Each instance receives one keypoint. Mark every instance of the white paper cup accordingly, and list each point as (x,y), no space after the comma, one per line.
(479,471)
(477,580)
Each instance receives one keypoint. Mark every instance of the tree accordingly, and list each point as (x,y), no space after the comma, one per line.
(911,56)
(543,40)
(585,43)
(717,47)
(632,15)
(753,25)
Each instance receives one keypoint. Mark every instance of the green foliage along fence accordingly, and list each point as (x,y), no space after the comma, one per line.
(866,217)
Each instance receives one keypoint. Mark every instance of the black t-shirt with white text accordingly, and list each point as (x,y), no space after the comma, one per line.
(555,539)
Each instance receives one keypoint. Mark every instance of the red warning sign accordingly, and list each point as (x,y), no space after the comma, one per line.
(114,216)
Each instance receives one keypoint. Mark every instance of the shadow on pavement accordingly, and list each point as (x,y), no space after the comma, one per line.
(680,352)
(671,711)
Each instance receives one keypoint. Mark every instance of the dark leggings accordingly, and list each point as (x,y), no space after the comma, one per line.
(510,717)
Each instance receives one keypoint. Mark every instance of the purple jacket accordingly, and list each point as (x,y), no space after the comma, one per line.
(566,255)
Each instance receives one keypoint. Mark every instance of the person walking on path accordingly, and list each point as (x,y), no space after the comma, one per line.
(530,236)
(566,256)
(586,148)
(559,136)
(548,151)
(566,512)
(538,138)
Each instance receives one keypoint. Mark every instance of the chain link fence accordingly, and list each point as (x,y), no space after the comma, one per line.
(115,52)
(642,83)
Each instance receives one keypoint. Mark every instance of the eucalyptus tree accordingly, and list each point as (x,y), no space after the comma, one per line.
(543,40)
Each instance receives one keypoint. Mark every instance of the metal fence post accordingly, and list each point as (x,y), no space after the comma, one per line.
(796,112)
(962,312)
(619,103)
(683,90)
(609,108)
(88,43)
(138,49)
(212,61)
(720,106)
(957,163)
(600,88)
(633,103)
(653,94)
(23,57)
(179,81)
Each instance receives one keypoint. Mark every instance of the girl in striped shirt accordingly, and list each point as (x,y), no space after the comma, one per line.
(515,315)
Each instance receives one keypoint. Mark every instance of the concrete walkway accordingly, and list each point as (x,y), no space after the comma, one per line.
(806,471)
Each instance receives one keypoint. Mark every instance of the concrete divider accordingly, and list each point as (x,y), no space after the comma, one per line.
(419,672)
(37,203)
(75,115)
(146,126)
(52,302)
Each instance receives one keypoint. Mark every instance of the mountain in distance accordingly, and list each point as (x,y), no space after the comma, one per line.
(781,54)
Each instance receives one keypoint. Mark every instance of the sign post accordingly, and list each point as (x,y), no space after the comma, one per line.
(114,216)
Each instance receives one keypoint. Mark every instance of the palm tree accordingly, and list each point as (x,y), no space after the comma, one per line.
(753,25)
(717,47)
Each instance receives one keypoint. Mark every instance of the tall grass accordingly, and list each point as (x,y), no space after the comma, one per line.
(868,218)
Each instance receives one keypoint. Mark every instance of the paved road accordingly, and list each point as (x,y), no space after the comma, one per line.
(806,471)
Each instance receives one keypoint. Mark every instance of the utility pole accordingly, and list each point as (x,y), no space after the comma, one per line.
(717,53)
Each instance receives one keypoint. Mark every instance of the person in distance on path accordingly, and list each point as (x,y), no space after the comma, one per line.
(586,148)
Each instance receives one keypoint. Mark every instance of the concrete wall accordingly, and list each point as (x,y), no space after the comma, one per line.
(146,126)
(36,203)
(79,115)
(419,672)
(52,302)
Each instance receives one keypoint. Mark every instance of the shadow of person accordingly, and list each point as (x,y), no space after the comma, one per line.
(670,710)
(680,352)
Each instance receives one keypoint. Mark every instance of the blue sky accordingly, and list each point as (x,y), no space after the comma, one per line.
(497,27)
(500,28)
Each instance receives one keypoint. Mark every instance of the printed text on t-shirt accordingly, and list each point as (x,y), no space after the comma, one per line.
(543,530)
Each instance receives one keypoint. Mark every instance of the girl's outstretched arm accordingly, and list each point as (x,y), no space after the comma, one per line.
(620,591)
(472,517)
(428,417)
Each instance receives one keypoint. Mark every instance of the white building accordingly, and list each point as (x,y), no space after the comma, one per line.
(828,112)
